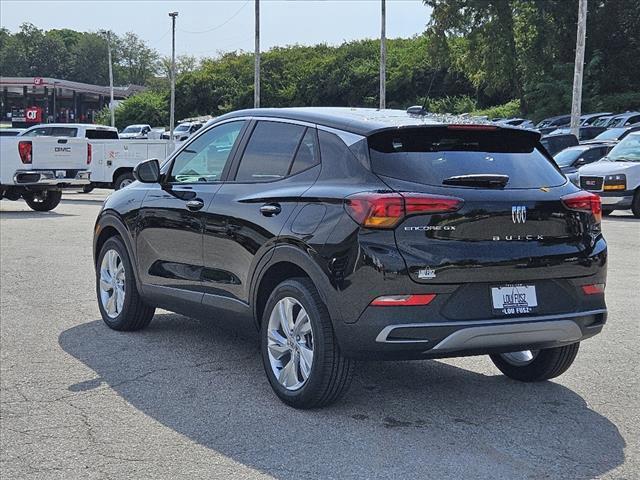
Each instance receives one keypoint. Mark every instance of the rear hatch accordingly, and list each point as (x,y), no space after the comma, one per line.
(513,223)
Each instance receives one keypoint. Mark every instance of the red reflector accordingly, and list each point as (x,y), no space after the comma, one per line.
(403,300)
(386,210)
(89,154)
(584,202)
(25,151)
(472,127)
(593,289)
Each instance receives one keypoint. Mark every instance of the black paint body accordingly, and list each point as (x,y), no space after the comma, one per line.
(212,263)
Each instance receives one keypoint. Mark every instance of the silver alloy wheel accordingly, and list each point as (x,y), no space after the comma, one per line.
(520,359)
(290,343)
(112,281)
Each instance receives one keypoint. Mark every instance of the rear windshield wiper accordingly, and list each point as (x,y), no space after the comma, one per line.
(478,180)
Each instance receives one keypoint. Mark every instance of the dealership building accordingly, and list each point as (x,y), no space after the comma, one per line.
(26,101)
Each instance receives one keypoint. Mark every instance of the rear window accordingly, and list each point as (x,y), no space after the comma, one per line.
(101,134)
(432,155)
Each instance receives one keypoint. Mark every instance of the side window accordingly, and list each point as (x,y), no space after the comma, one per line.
(38,132)
(269,152)
(633,120)
(307,155)
(204,159)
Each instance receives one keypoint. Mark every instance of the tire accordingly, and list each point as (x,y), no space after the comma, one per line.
(546,364)
(88,188)
(330,373)
(131,313)
(44,200)
(606,212)
(635,206)
(123,180)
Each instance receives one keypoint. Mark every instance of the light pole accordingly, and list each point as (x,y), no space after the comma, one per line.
(172,119)
(111,106)
(383,54)
(576,101)
(256,66)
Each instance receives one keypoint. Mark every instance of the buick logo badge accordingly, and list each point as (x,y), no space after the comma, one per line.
(519,214)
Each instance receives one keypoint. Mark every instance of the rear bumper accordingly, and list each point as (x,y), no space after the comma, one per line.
(381,335)
(58,178)
(622,199)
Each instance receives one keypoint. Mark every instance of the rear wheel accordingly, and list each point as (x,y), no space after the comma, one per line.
(300,354)
(635,206)
(88,188)
(123,180)
(536,365)
(120,303)
(44,200)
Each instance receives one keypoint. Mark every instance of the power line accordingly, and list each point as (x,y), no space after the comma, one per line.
(222,24)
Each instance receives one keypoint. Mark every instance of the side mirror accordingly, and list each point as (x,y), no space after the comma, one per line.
(580,162)
(147,171)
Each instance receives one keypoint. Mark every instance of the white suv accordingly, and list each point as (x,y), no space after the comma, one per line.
(616,178)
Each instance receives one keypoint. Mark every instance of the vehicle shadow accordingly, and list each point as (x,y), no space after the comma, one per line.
(620,218)
(28,214)
(399,420)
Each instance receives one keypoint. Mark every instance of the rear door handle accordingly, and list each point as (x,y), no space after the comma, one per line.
(270,209)
(195,205)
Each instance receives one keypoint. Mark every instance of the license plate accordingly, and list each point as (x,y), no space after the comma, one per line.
(514,299)
(61,173)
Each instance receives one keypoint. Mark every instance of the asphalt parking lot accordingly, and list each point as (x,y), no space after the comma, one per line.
(188,399)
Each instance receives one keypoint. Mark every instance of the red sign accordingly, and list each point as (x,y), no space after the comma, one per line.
(38,81)
(33,115)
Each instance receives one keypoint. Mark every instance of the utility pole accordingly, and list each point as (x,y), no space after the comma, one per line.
(576,103)
(256,67)
(172,119)
(111,105)
(383,55)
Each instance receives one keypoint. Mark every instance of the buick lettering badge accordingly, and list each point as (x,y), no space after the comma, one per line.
(519,214)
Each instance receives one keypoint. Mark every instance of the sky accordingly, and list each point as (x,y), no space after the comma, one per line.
(206,28)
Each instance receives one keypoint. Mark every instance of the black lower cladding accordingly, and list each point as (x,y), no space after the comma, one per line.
(385,333)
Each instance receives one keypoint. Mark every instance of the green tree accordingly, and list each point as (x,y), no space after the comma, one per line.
(146,107)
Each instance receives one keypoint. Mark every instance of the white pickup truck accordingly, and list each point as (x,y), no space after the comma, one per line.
(38,169)
(616,178)
(114,160)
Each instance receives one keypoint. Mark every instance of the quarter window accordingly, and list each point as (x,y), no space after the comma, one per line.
(204,159)
(269,152)
(307,155)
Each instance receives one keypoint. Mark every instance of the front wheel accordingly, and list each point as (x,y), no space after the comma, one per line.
(44,200)
(300,353)
(120,303)
(536,365)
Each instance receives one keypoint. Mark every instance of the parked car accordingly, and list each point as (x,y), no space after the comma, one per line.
(136,131)
(517,122)
(38,169)
(10,132)
(72,130)
(557,143)
(615,134)
(184,130)
(345,233)
(616,178)
(624,120)
(572,158)
(584,133)
(548,125)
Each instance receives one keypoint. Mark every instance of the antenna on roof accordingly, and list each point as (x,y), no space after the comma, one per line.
(422,109)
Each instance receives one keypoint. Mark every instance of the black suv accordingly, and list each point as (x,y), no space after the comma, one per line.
(345,234)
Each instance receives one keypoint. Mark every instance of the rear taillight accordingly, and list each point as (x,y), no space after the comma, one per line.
(584,202)
(593,289)
(89,154)
(25,150)
(386,210)
(403,300)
